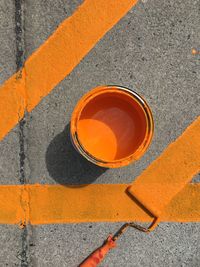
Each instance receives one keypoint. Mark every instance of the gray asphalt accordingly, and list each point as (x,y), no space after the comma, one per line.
(149,50)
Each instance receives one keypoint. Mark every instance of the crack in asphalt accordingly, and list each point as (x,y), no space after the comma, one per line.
(20,51)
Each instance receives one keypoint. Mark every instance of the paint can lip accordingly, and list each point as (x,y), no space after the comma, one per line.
(123,161)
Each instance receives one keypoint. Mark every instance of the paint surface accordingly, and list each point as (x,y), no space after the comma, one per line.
(112,126)
(46,204)
(57,57)
(170,172)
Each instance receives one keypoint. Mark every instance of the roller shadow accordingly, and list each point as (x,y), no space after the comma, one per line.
(66,166)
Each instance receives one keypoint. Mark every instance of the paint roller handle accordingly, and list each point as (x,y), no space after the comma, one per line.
(99,254)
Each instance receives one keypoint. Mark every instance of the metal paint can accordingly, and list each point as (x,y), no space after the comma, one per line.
(111,126)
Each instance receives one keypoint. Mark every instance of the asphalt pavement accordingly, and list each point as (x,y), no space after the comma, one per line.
(149,51)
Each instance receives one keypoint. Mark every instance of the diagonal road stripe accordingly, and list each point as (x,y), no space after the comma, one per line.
(57,57)
(170,172)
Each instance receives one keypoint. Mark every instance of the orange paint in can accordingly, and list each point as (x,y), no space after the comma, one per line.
(111,126)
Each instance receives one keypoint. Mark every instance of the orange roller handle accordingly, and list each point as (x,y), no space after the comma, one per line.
(98,255)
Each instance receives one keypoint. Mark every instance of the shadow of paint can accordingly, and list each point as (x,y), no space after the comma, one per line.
(111,126)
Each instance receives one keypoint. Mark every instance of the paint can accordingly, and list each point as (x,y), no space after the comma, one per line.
(111,126)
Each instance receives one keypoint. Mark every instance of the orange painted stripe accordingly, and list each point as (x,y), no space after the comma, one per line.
(12,103)
(170,172)
(11,211)
(57,57)
(92,203)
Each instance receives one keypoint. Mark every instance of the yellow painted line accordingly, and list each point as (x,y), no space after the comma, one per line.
(57,57)
(92,203)
(170,172)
